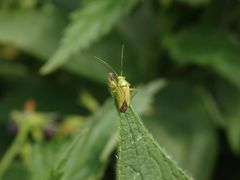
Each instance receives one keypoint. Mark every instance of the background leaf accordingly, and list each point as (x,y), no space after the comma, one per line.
(43,157)
(89,23)
(207,47)
(40,39)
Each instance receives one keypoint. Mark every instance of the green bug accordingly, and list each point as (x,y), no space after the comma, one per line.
(119,86)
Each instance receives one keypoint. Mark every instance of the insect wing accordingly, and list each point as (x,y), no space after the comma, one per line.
(123,98)
(124,107)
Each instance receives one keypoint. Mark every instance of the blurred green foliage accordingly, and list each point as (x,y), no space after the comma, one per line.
(47,51)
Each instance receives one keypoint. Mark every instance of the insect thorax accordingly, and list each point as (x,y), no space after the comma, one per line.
(122,82)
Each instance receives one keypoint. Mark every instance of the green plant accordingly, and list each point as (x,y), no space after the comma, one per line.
(47,51)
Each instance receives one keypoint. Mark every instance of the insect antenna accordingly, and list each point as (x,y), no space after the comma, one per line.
(122,59)
(104,62)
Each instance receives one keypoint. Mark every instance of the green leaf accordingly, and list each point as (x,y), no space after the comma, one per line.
(40,39)
(89,23)
(207,47)
(43,157)
(140,157)
(89,148)
(87,156)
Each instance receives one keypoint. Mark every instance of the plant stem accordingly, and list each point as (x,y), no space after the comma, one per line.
(14,149)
